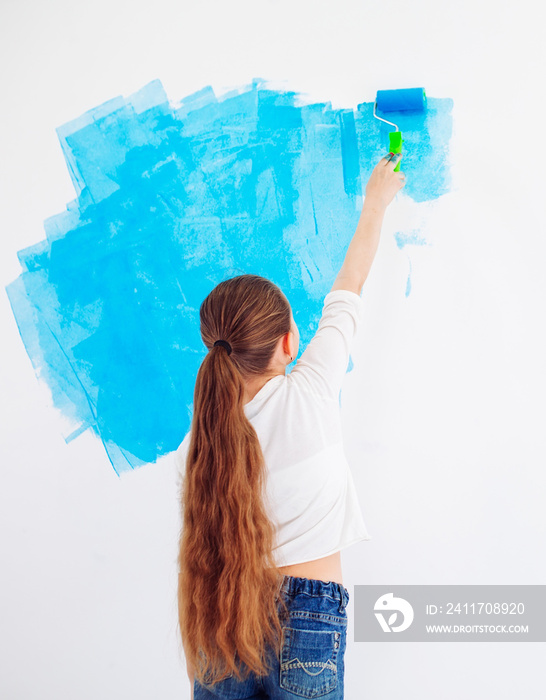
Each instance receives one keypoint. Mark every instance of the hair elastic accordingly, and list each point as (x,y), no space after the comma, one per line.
(224,344)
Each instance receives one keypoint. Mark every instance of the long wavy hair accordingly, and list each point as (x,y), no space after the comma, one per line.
(229,602)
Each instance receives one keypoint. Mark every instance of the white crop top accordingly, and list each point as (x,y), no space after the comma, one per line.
(310,490)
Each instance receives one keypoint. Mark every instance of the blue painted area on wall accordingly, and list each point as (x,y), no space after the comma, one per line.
(426,136)
(170,201)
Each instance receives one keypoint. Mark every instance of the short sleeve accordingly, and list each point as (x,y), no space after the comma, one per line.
(323,364)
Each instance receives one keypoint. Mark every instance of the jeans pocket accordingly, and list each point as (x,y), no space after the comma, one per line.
(309,660)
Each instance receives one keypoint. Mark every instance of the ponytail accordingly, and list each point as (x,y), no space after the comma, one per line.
(229,585)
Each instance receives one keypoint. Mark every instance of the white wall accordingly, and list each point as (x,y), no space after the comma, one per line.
(444,408)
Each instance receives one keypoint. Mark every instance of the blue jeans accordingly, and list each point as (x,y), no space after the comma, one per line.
(313,650)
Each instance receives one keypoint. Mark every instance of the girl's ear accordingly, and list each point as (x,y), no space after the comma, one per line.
(292,345)
(288,343)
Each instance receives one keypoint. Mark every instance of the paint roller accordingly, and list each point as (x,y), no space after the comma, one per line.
(409,99)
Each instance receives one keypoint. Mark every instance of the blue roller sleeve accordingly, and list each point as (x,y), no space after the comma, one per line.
(401,100)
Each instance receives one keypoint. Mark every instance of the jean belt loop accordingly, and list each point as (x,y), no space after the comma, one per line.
(343,603)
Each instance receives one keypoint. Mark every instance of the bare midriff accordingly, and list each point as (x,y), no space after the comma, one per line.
(325,569)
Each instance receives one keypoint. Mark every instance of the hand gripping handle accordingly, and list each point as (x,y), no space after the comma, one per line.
(395,145)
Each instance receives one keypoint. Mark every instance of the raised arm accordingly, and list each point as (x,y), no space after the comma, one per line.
(382,186)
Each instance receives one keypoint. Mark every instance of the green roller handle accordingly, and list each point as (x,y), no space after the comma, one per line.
(395,145)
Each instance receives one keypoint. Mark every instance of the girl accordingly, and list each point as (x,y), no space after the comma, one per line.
(266,493)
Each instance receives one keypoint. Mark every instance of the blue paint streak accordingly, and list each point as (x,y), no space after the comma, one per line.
(172,200)
(411,238)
